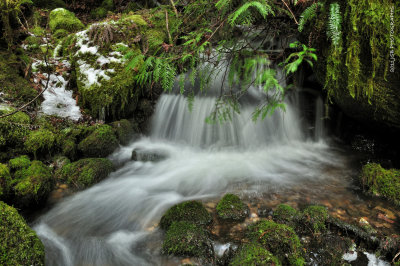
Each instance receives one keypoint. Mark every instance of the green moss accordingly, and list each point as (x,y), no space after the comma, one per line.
(253,255)
(69,148)
(5,180)
(315,217)
(279,239)
(59,34)
(21,162)
(13,129)
(137,19)
(285,214)
(32,186)
(19,243)
(99,13)
(382,182)
(16,89)
(38,31)
(123,130)
(61,18)
(85,172)
(101,143)
(41,140)
(189,211)
(33,40)
(230,207)
(187,239)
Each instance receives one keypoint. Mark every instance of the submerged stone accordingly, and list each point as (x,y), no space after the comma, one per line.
(230,207)
(19,243)
(279,239)
(189,211)
(85,172)
(147,156)
(100,143)
(187,239)
(254,254)
(381,182)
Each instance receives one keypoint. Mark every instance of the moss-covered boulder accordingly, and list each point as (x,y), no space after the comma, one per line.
(32,185)
(85,172)
(254,254)
(285,214)
(315,217)
(19,163)
(100,143)
(40,141)
(123,130)
(61,18)
(187,239)
(230,207)
(5,180)
(381,182)
(19,243)
(13,129)
(279,239)
(189,211)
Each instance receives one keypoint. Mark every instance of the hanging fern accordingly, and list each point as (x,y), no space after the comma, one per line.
(244,16)
(335,24)
(308,15)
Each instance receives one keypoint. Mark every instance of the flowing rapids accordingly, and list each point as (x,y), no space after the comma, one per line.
(114,222)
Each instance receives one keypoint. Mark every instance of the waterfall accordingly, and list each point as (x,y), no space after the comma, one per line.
(114,222)
(319,122)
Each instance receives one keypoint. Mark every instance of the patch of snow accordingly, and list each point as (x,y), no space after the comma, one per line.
(91,74)
(374,261)
(220,249)
(102,60)
(350,256)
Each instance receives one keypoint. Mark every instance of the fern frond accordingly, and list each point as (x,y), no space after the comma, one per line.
(335,24)
(263,8)
(308,15)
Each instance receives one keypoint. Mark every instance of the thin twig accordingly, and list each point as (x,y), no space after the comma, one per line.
(295,20)
(173,6)
(167,25)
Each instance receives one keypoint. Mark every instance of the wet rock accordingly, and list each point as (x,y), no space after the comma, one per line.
(147,156)
(188,239)
(100,143)
(264,211)
(254,254)
(189,211)
(123,130)
(85,172)
(280,239)
(19,243)
(231,208)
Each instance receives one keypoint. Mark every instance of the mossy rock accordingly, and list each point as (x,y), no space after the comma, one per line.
(19,163)
(61,18)
(285,214)
(187,239)
(230,207)
(41,141)
(279,239)
(101,143)
(315,217)
(189,211)
(19,243)
(32,185)
(254,255)
(85,172)
(5,180)
(381,182)
(123,130)
(14,128)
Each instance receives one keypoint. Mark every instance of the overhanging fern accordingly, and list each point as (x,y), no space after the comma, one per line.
(335,24)
(244,16)
(308,15)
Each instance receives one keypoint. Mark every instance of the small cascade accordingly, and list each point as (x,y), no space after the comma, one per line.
(319,119)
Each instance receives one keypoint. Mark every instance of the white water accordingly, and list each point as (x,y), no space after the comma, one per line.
(114,222)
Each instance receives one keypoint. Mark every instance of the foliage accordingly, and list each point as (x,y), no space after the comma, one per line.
(189,211)
(19,243)
(294,60)
(334,31)
(308,14)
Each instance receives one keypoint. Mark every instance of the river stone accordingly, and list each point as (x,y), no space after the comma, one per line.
(147,156)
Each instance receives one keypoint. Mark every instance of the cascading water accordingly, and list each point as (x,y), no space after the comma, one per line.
(113,223)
